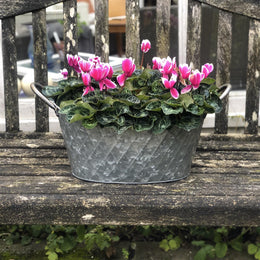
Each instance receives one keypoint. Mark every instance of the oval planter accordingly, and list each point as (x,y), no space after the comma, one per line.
(101,155)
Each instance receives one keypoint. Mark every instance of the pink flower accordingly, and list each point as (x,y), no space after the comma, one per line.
(206,69)
(195,78)
(100,74)
(168,66)
(73,61)
(184,70)
(157,63)
(87,90)
(95,61)
(128,68)
(145,46)
(186,89)
(169,84)
(64,73)
(110,73)
(85,66)
(86,79)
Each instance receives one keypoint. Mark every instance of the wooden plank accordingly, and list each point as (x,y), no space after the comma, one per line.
(250,8)
(40,67)
(131,210)
(18,7)
(224,43)
(252,85)
(70,30)
(10,72)
(133,30)
(101,30)
(163,12)
(194,34)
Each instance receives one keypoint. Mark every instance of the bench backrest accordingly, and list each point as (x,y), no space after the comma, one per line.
(192,8)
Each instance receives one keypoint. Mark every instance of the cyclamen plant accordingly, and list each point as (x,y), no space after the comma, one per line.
(156,98)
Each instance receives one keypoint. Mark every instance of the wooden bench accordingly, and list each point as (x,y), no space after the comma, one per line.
(36,186)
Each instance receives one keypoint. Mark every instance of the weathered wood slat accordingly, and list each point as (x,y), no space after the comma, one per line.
(17,7)
(163,12)
(224,43)
(94,209)
(250,8)
(197,184)
(133,30)
(40,66)
(252,86)
(194,34)
(10,69)
(101,30)
(70,30)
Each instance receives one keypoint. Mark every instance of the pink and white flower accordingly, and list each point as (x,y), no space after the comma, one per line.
(85,66)
(64,73)
(206,69)
(185,70)
(157,63)
(169,84)
(128,68)
(73,61)
(168,67)
(195,78)
(145,46)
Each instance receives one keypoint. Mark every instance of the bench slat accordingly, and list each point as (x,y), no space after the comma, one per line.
(250,8)
(163,19)
(253,78)
(40,66)
(224,43)
(101,30)
(223,188)
(133,30)
(10,69)
(17,7)
(194,34)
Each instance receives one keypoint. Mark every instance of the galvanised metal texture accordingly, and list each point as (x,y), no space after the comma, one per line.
(101,155)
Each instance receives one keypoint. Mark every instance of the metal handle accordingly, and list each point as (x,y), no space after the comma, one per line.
(34,87)
(226,88)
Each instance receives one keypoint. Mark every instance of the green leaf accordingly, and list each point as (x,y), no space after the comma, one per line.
(105,118)
(52,256)
(199,99)
(164,245)
(169,110)
(257,255)
(89,123)
(52,91)
(221,249)
(120,108)
(201,254)
(195,110)
(138,113)
(189,122)
(161,124)
(215,103)
(128,98)
(154,106)
(208,81)
(66,109)
(236,245)
(198,243)
(143,124)
(252,249)
(186,100)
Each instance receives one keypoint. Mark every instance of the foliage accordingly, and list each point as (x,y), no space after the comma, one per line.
(100,241)
(143,104)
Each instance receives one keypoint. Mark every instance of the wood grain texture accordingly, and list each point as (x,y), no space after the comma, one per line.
(253,78)
(36,186)
(18,7)
(163,13)
(133,30)
(224,43)
(40,67)
(10,69)
(101,34)
(250,8)
(194,34)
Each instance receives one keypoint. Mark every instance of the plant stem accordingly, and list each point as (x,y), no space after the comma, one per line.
(142,61)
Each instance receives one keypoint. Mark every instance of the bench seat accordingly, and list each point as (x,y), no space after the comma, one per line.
(36,186)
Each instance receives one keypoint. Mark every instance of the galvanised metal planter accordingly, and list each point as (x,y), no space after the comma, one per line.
(101,155)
